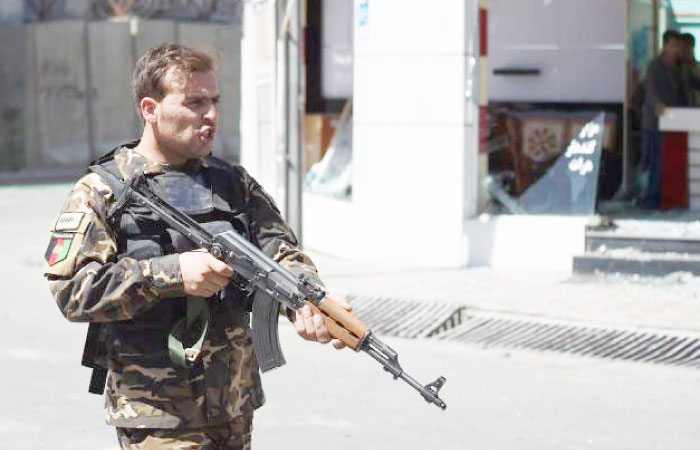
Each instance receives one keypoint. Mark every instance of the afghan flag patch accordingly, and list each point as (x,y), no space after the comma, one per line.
(58,247)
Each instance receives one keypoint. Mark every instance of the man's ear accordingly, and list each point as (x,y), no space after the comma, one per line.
(148,106)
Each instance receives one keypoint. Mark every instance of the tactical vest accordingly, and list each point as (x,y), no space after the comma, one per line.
(216,198)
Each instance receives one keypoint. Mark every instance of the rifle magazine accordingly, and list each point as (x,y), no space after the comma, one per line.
(266,344)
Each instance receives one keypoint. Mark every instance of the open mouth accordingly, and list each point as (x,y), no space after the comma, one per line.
(206,133)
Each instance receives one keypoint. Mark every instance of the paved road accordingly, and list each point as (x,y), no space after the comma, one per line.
(497,399)
(324,398)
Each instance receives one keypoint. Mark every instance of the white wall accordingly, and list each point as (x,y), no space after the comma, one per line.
(526,242)
(336,48)
(258,151)
(414,138)
(577,44)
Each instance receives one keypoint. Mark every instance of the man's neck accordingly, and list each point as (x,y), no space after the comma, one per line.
(666,58)
(149,148)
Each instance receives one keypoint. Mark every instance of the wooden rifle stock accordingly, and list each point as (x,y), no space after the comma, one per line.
(341,323)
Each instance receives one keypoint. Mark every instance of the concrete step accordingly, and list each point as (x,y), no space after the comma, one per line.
(633,261)
(603,241)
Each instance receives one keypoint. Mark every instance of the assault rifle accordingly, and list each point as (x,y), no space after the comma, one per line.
(272,284)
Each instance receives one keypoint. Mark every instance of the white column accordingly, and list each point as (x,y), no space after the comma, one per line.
(258,152)
(414,137)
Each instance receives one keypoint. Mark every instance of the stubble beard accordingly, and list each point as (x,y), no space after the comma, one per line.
(176,143)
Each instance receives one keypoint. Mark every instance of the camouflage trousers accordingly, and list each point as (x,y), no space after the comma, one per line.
(234,435)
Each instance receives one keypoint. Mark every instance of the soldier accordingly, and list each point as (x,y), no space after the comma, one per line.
(122,267)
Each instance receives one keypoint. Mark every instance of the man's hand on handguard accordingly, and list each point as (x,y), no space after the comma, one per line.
(310,325)
(202,274)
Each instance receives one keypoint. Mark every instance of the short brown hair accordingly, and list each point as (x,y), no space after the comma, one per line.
(670,35)
(152,67)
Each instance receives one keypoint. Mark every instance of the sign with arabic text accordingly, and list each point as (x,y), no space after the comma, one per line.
(569,186)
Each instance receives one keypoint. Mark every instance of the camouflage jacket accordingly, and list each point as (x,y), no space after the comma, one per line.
(92,281)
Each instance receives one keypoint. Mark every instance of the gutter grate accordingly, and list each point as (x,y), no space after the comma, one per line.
(657,346)
(441,321)
(403,318)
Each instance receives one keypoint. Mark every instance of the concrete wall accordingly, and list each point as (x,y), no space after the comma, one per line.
(66,88)
(114,117)
(57,119)
(11,11)
(12,88)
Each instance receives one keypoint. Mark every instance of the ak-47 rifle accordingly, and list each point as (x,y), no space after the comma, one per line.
(272,284)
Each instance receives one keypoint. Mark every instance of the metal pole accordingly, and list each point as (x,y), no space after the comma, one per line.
(655,28)
(133,35)
(287,156)
(626,163)
(290,33)
(300,110)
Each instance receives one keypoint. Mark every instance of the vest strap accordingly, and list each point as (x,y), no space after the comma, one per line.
(118,187)
(197,320)
(197,315)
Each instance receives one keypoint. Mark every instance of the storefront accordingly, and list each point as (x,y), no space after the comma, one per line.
(570,62)
(473,133)
(403,172)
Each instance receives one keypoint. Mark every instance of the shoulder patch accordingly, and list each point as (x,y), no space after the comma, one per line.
(58,248)
(69,221)
(65,243)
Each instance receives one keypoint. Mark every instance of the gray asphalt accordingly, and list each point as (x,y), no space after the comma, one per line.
(497,399)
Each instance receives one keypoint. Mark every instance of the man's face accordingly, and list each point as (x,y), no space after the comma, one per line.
(186,117)
(674,48)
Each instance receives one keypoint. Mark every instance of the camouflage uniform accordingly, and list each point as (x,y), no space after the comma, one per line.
(233,435)
(95,277)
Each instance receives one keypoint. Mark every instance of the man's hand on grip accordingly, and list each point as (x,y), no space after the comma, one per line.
(311,326)
(202,274)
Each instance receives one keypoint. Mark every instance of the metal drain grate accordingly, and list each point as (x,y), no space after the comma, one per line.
(403,318)
(413,319)
(659,346)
